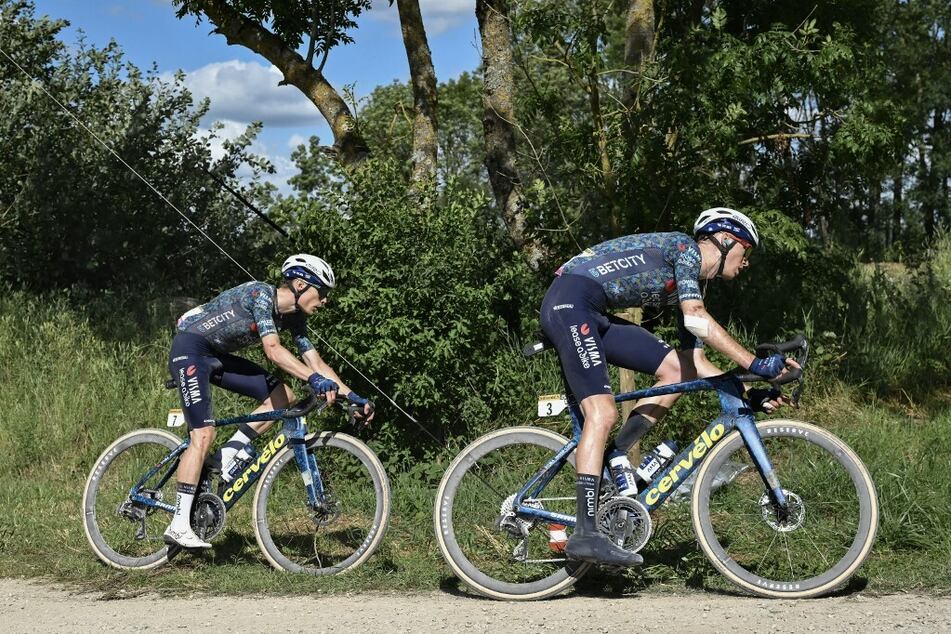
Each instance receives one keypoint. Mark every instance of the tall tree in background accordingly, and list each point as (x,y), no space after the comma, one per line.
(423,78)
(499,123)
(323,22)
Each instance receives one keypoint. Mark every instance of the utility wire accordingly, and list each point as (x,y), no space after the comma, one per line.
(310,330)
(37,83)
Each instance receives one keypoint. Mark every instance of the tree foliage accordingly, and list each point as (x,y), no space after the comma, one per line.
(73,215)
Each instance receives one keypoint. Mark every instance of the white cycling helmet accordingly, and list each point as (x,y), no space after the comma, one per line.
(729,220)
(309,268)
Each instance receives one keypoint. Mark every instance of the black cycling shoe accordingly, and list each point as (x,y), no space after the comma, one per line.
(598,549)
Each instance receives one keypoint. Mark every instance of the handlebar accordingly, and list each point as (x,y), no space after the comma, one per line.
(798,345)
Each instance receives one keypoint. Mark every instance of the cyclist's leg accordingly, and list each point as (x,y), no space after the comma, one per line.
(633,347)
(240,375)
(191,367)
(575,331)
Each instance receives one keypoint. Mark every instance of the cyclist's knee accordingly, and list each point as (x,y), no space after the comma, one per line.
(670,369)
(599,411)
(202,438)
(280,397)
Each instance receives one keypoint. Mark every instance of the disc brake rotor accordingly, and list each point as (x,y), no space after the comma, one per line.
(795,512)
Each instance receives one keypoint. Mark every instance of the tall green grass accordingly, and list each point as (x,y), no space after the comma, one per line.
(71,388)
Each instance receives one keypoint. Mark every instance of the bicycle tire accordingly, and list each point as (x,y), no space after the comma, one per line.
(111,536)
(817,468)
(285,527)
(510,478)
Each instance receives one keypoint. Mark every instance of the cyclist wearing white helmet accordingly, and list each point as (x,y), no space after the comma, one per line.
(201,356)
(651,270)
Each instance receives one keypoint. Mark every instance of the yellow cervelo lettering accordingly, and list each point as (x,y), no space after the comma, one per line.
(701,446)
(265,457)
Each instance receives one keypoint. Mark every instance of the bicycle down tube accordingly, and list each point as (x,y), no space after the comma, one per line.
(294,431)
(734,415)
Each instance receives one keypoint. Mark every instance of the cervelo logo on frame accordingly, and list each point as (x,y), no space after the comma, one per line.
(265,457)
(588,352)
(701,445)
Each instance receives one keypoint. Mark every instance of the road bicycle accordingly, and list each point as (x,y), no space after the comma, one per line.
(797,521)
(321,505)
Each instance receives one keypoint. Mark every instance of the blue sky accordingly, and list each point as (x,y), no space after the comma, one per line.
(243,86)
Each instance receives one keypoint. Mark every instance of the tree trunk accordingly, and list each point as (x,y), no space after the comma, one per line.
(349,146)
(424,90)
(629,384)
(638,45)
(608,177)
(499,123)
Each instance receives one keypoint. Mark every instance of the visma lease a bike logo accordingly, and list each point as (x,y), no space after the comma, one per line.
(587,349)
(188,383)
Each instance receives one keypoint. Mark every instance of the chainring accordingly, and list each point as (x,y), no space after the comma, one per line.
(208,516)
(626,522)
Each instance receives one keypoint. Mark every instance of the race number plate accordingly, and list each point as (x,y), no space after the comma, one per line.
(176,418)
(551,405)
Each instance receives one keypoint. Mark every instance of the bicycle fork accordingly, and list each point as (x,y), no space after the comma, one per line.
(296,430)
(754,444)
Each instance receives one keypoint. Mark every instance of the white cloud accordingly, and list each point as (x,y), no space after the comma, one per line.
(245,92)
(283,165)
(295,140)
(438,15)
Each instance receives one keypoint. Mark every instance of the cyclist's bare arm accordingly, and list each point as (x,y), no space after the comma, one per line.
(316,364)
(284,358)
(716,336)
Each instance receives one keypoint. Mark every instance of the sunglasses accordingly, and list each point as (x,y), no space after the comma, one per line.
(747,247)
(322,293)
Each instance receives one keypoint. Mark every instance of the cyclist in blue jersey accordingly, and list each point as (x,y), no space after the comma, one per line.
(201,356)
(651,270)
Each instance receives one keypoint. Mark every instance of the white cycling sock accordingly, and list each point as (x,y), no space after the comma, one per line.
(223,457)
(184,496)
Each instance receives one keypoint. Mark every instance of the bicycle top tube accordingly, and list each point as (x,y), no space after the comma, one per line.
(726,382)
(300,408)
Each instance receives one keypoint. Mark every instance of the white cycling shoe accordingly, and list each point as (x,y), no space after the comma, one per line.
(186,538)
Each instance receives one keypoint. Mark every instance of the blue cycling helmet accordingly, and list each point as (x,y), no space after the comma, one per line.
(725,219)
(309,268)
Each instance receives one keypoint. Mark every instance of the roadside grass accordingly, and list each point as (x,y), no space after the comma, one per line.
(74,392)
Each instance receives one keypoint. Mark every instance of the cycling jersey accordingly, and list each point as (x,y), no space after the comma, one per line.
(646,269)
(240,316)
(200,354)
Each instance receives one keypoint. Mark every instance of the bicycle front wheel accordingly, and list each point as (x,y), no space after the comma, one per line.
(126,534)
(496,553)
(329,540)
(826,532)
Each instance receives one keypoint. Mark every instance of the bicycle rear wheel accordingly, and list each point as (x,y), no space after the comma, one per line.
(125,534)
(497,559)
(328,541)
(832,513)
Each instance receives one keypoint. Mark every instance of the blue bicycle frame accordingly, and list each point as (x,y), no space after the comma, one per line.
(734,413)
(294,431)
